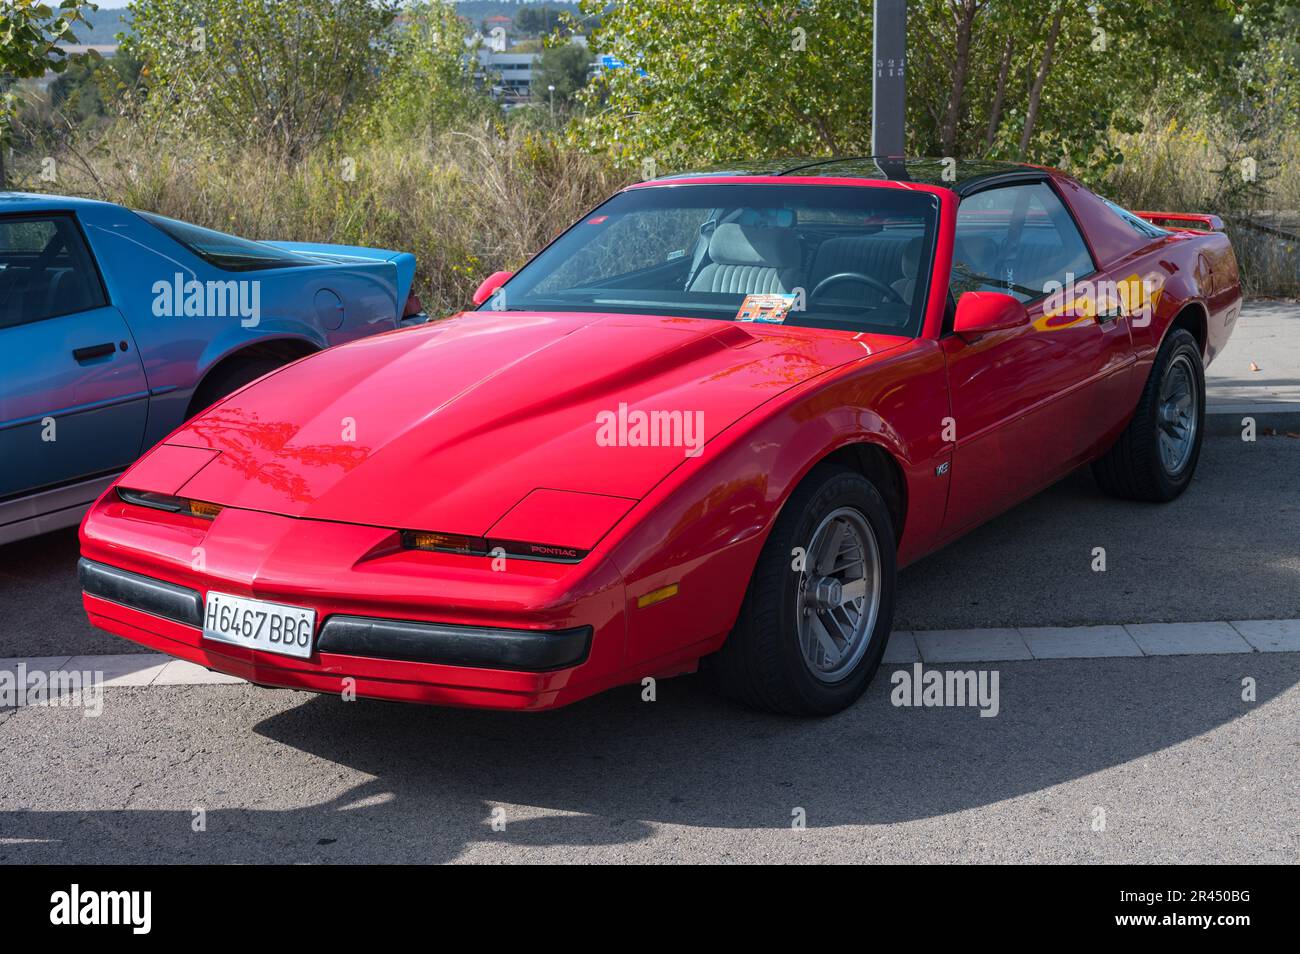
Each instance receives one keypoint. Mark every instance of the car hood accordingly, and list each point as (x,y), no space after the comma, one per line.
(448,426)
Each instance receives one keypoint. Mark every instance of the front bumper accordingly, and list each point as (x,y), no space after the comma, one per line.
(395,624)
(385,639)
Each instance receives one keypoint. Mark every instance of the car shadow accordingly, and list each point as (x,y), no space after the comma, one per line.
(613,769)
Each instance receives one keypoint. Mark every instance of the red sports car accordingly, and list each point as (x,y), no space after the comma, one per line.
(704,426)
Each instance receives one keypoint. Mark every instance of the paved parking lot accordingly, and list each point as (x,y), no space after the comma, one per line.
(1130,758)
(1162,752)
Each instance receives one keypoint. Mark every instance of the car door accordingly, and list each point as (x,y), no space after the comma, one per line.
(73,395)
(1030,403)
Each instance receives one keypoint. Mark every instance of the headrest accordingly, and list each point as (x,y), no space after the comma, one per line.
(734,244)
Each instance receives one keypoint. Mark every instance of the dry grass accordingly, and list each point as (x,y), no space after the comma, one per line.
(466,204)
(1175,167)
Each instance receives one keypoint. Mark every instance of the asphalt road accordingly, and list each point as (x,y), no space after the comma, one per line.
(1229,548)
(1164,750)
(1182,767)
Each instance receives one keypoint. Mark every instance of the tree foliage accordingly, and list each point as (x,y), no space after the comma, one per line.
(1042,80)
(564,67)
(281,74)
(87,91)
(713,79)
(428,83)
(30,34)
(538,20)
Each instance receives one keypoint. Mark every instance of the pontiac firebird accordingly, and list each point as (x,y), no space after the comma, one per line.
(505,509)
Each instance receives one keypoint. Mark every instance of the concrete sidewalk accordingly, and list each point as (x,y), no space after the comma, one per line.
(1268,334)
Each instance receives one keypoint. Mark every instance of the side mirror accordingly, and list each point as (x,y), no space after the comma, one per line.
(491,284)
(979,313)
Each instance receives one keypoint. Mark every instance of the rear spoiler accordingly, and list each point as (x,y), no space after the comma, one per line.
(1190,220)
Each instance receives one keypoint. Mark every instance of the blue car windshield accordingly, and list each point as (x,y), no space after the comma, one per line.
(228,252)
(855,258)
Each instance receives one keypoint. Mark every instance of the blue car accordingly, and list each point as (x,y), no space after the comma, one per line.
(117,326)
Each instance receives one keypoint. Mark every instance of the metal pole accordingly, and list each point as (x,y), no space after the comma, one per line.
(888,87)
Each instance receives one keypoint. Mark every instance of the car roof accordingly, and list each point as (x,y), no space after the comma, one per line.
(40,202)
(962,176)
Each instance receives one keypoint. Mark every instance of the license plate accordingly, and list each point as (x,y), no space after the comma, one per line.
(257,624)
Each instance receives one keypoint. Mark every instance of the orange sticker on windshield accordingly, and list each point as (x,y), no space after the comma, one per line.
(767,308)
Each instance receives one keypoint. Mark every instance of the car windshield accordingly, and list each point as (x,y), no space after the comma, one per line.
(228,252)
(854,258)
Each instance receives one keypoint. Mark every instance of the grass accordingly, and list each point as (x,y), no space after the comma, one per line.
(469,203)
(1172,167)
(466,204)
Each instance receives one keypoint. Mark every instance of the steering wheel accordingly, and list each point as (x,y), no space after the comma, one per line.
(875,283)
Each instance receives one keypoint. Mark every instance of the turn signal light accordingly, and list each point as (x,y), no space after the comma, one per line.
(165,502)
(657,596)
(443,542)
(478,546)
(200,509)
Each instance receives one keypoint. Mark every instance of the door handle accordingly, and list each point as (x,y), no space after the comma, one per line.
(1113,314)
(91,352)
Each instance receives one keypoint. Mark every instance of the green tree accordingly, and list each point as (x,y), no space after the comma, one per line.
(86,91)
(1047,80)
(428,84)
(282,74)
(30,34)
(564,67)
(538,21)
(706,80)
(1042,80)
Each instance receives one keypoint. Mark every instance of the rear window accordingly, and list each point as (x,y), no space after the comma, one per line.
(1139,225)
(227,252)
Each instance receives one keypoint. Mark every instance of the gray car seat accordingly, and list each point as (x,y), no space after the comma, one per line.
(750,260)
(879,255)
(909,263)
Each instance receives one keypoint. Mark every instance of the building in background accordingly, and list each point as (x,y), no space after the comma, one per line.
(511,73)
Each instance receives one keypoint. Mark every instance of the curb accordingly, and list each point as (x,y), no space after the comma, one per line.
(1008,644)
(1224,420)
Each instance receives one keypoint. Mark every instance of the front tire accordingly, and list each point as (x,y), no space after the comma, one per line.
(1155,458)
(812,631)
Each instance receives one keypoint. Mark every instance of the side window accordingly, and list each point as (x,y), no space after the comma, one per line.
(1016,239)
(45,270)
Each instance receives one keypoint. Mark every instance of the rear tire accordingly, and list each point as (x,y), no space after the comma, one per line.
(1155,458)
(805,643)
(223,381)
